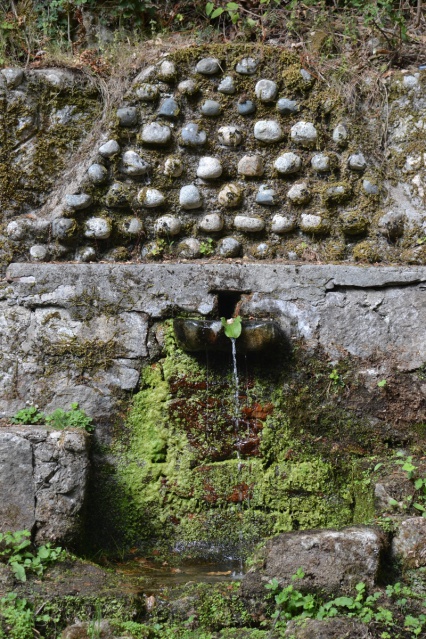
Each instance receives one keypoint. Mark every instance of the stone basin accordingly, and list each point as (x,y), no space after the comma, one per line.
(257,336)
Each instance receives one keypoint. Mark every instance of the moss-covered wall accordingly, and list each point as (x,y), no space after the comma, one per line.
(191,478)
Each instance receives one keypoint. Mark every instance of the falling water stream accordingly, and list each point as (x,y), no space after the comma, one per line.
(238,445)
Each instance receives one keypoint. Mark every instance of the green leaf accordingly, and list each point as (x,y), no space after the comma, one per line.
(420,507)
(232,327)
(18,571)
(377,466)
(232,6)
(209,8)
(382,383)
(419,483)
(216,13)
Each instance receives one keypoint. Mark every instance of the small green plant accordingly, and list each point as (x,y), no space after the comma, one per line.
(15,549)
(411,470)
(232,9)
(74,418)
(29,415)
(207,247)
(382,383)
(232,327)
(16,618)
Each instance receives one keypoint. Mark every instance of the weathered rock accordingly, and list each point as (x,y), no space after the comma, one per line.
(78,202)
(131,226)
(127,116)
(283,224)
(246,107)
(287,107)
(167,71)
(133,164)
(86,254)
(266,195)
(229,247)
(288,163)
(97,173)
(190,197)
(147,92)
(370,188)
(188,87)
(63,227)
(299,193)
(39,252)
(117,196)
(335,628)
(229,136)
(251,166)
(151,198)
(266,90)
(191,135)
(391,224)
(320,162)
(211,108)
(167,225)
(173,167)
(248,224)
(43,481)
(268,131)
(169,108)
(333,561)
(340,135)
(354,222)
(230,195)
(14,76)
(208,66)
(98,227)
(189,248)
(313,223)
(304,134)
(227,86)
(357,162)
(156,134)
(247,66)
(209,168)
(109,149)
(409,544)
(211,223)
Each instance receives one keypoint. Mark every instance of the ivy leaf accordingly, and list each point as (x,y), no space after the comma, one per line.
(216,13)
(232,6)
(209,8)
(232,327)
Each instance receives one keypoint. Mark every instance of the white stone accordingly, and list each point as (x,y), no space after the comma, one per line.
(133,164)
(192,135)
(17,229)
(266,195)
(167,225)
(248,224)
(299,193)
(357,162)
(227,86)
(98,228)
(410,81)
(229,247)
(229,136)
(266,90)
(85,254)
(409,544)
(211,223)
(282,224)
(320,162)
(413,162)
(147,92)
(247,66)
(190,197)
(167,71)
(13,76)
(230,195)
(97,173)
(78,202)
(131,226)
(209,168)
(187,87)
(39,252)
(340,135)
(109,149)
(251,166)
(151,198)
(173,167)
(268,131)
(156,133)
(304,134)
(311,223)
(189,248)
(288,163)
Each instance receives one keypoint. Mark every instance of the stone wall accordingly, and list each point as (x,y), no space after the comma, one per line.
(225,152)
(43,482)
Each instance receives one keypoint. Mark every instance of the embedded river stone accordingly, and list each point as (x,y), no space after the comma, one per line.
(167,71)
(230,195)
(173,167)
(211,108)
(288,163)
(304,134)
(246,107)
(147,92)
(247,66)
(333,561)
(133,164)
(340,135)
(266,90)
(282,224)
(109,149)
(227,86)
(192,135)
(229,136)
(131,226)
(286,106)
(127,116)
(266,195)
(151,198)
(209,168)
(190,197)
(320,162)
(157,134)
(357,162)
(211,223)
(268,131)
(168,225)
(78,202)
(98,227)
(249,224)
(299,193)
(97,173)
(169,108)
(251,166)
(208,66)
(188,87)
